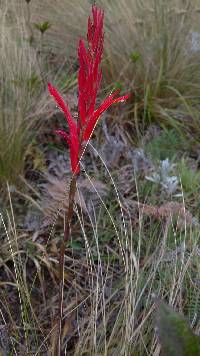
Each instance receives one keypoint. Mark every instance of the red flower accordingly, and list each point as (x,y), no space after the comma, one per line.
(89,79)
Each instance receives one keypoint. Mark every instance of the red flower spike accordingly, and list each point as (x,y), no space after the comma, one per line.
(89,79)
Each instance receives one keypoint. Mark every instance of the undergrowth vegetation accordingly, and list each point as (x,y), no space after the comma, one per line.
(18,73)
(135,230)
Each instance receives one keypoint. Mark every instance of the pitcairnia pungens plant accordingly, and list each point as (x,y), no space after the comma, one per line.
(80,131)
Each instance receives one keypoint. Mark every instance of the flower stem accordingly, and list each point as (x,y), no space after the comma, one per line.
(67,225)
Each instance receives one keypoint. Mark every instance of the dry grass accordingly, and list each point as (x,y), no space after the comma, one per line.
(117,261)
(109,280)
(22,92)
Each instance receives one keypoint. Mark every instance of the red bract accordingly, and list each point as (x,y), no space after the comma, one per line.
(90,75)
(97,113)
(89,79)
(72,138)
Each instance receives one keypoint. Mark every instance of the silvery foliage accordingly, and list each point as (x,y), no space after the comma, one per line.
(168,182)
(195,42)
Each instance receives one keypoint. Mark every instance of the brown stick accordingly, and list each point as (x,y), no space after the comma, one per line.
(67,224)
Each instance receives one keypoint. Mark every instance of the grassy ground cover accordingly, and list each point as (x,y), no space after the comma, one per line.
(135,231)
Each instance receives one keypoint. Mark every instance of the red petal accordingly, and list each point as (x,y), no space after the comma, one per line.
(64,135)
(74,149)
(58,98)
(104,106)
(121,99)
